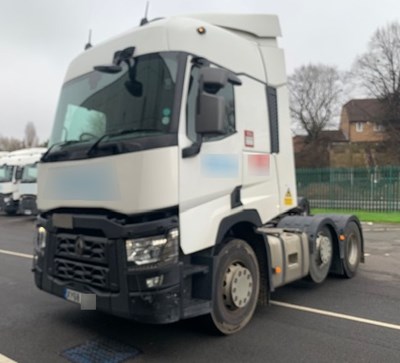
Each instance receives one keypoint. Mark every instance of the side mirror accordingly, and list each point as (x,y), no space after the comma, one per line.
(18,173)
(135,88)
(211,108)
(213,79)
(210,114)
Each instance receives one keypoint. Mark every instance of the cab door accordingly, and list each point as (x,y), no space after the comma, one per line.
(211,172)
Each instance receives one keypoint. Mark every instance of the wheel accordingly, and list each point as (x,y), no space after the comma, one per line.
(352,250)
(235,288)
(321,258)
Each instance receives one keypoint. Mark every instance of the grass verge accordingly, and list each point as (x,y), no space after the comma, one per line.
(364,216)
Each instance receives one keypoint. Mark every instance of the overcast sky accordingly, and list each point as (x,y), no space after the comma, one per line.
(38,39)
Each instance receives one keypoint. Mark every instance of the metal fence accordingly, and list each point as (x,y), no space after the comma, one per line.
(375,189)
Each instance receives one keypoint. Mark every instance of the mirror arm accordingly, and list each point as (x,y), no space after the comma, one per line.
(192,150)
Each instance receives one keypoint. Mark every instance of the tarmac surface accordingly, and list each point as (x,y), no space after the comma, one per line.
(356,320)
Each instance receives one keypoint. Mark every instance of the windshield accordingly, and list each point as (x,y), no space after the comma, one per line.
(6,173)
(139,99)
(29,174)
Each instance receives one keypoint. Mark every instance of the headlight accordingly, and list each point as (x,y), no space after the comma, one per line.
(40,241)
(143,251)
(7,199)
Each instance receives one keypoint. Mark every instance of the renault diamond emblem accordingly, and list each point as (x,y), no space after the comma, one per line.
(79,246)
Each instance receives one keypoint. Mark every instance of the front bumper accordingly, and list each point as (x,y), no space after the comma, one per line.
(101,268)
(7,204)
(27,205)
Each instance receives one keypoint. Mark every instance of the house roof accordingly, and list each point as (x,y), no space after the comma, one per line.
(325,136)
(365,110)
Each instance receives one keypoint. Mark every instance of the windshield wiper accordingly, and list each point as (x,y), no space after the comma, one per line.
(94,147)
(60,144)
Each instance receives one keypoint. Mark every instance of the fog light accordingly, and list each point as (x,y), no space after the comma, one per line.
(155,281)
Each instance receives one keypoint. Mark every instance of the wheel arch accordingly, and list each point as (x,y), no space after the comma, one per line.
(310,225)
(336,224)
(243,225)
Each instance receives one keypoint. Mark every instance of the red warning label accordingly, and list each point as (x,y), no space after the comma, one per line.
(248,138)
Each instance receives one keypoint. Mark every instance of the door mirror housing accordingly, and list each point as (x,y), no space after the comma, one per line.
(18,173)
(210,114)
(211,108)
(213,79)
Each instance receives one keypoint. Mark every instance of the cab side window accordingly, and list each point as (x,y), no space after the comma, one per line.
(227,92)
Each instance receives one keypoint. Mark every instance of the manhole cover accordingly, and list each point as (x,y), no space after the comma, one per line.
(100,351)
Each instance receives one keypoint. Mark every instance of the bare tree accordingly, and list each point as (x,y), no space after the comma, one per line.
(378,69)
(30,139)
(378,72)
(10,143)
(315,92)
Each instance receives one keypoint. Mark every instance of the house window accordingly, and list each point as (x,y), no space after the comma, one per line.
(378,127)
(359,126)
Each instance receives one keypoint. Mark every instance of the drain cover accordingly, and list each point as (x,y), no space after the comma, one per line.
(100,351)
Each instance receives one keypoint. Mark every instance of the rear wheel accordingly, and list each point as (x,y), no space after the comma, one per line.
(321,258)
(352,250)
(236,287)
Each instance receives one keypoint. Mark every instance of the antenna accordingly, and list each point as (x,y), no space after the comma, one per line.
(144,20)
(89,43)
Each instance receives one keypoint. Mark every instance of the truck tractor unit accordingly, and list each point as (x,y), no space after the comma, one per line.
(168,190)
(11,170)
(28,189)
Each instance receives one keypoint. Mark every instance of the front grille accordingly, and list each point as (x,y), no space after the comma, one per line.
(28,203)
(86,274)
(85,248)
(87,260)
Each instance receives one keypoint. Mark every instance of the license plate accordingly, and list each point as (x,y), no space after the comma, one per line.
(73,296)
(86,301)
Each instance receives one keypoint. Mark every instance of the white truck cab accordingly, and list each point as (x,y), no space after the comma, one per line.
(11,170)
(168,190)
(27,187)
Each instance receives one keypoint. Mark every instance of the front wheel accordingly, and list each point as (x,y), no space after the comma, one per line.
(236,287)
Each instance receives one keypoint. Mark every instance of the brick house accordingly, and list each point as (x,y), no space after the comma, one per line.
(317,153)
(361,121)
(359,142)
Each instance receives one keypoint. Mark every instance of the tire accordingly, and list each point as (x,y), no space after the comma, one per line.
(352,250)
(321,258)
(236,287)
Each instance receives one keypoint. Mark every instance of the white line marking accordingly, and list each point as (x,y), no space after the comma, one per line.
(5,252)
(337,315)
(4,359)
(277,303)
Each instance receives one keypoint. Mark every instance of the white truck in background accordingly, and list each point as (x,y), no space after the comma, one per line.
(12,167)
(27,188)
(168,190)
